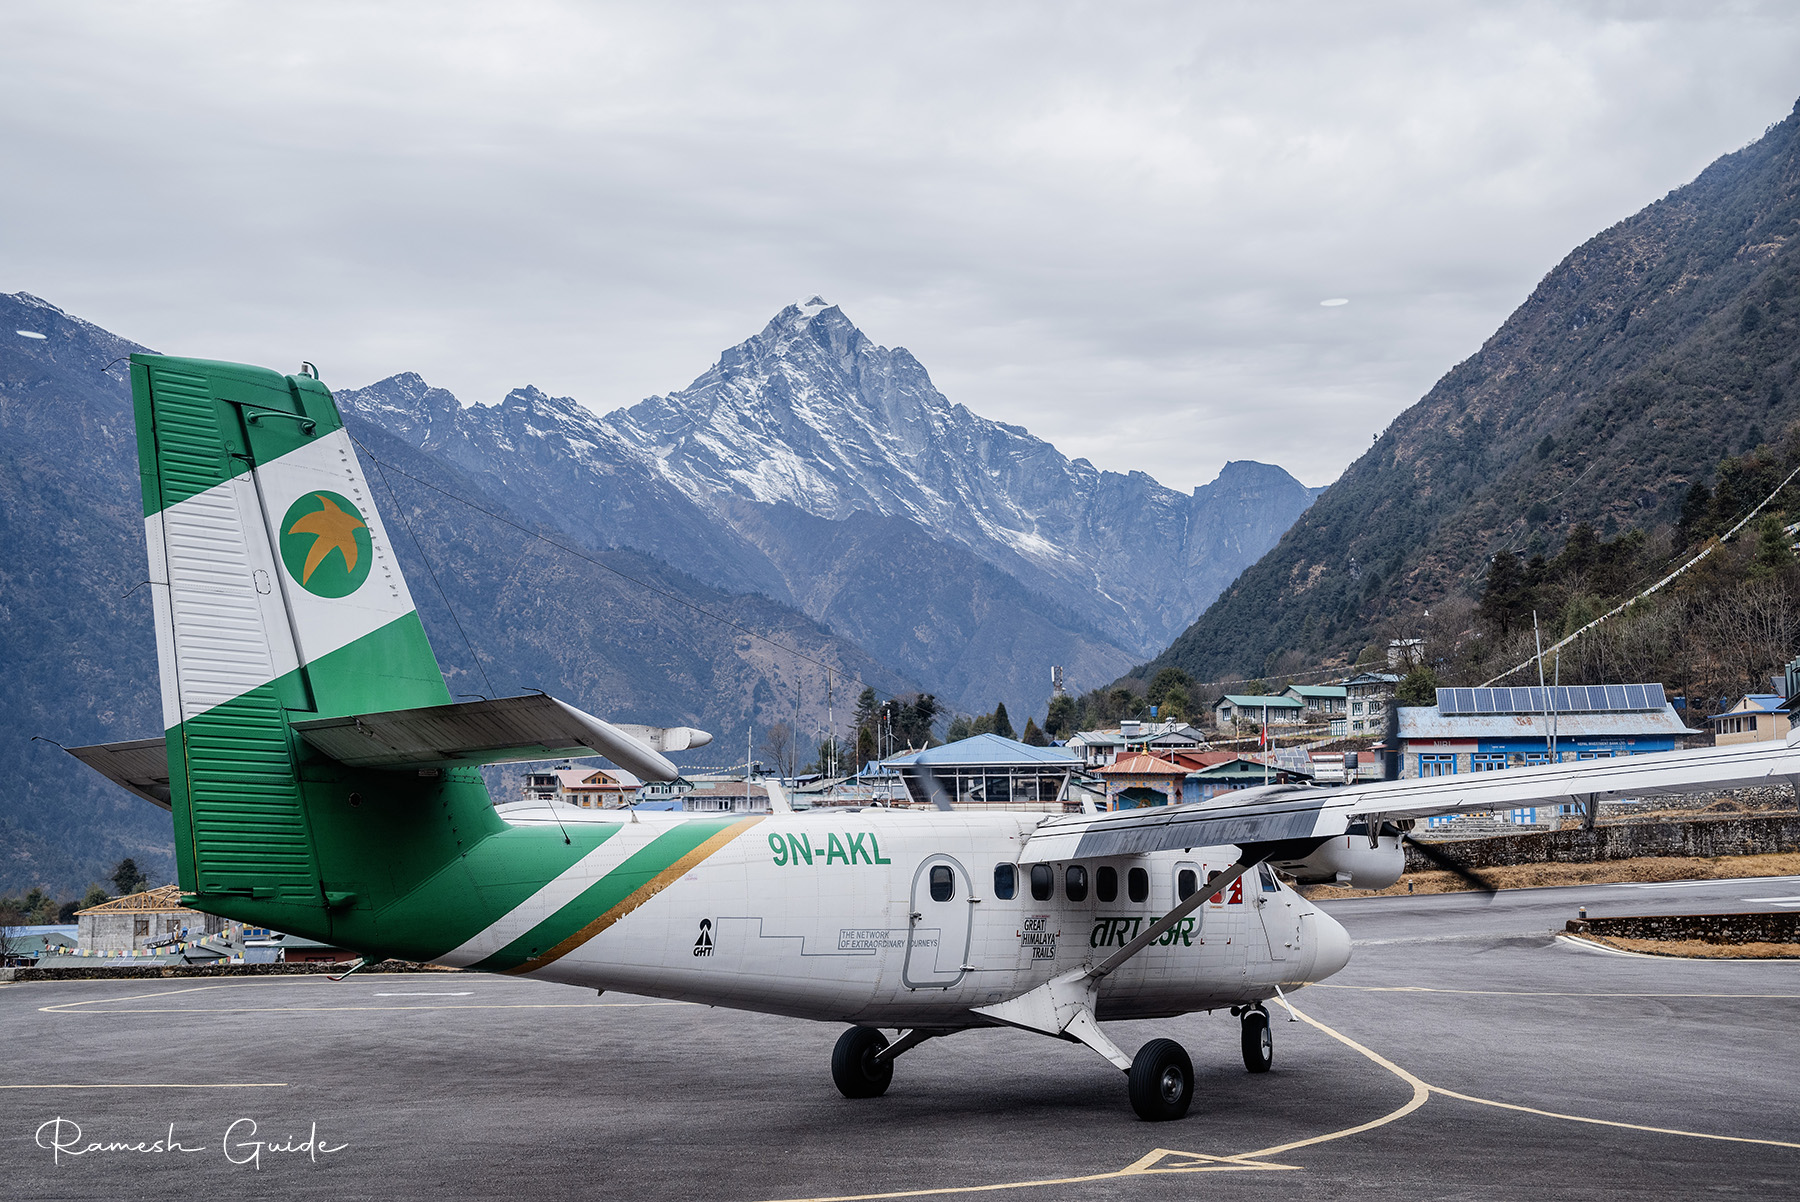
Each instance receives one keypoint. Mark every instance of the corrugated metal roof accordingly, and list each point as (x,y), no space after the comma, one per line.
(1256,703)
(988,751)
(1317,690)
(1425,722)
(1753,703)
(1141,765)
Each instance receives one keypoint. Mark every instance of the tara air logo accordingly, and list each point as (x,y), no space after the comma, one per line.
(325,544)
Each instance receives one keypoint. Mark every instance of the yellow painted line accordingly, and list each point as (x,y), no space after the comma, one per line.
(636,897)
(163,1085)
(1164,1160)
(1157,1161)
(1576,1118)
(1421,1092)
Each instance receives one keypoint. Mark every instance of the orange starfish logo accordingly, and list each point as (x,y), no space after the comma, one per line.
(317,524)
(333,530)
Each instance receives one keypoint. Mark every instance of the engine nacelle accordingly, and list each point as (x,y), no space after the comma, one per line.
(1349,860)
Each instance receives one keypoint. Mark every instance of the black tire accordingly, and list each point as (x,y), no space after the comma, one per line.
(1161,1081)
(854,1069)
(1259,1045)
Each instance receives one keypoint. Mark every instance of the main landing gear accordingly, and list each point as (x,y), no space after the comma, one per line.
(862,1063)
(1161,1081)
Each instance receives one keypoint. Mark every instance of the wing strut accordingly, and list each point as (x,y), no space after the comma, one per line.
(1064,1006)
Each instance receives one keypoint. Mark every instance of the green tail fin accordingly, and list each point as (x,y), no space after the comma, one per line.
(278,597)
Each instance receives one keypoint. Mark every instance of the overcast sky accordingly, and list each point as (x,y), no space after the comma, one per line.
(1113,224)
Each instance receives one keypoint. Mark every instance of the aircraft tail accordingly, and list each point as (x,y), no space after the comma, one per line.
(278,599)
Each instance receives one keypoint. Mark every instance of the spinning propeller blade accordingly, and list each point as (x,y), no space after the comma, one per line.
(1451,864)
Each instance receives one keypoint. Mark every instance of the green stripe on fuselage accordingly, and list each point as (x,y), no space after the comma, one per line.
(637,870)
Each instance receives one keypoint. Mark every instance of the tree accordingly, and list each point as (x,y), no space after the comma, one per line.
(960,728)
(1059,721)
(778,746)
(126,878)
(1419,687)
(1033,737)
(12,939)
(1166,680)
(95,896)
(1174,705)
(40,909)
(1002,724)
(1773,554)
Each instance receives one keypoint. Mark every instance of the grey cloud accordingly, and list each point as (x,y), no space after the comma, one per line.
(1110,224)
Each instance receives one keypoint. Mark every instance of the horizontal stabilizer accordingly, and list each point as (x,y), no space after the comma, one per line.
(435,736)
(140,765)
(535,727)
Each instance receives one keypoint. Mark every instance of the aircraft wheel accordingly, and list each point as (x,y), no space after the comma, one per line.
(1259,1045)
(1161,1081)
(854,1069)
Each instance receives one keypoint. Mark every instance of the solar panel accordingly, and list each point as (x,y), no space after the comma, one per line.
(1563,699)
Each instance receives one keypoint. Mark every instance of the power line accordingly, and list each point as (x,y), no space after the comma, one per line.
(1622,606)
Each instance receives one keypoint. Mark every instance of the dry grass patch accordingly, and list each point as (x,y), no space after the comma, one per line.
(1647,869)
(1699,949)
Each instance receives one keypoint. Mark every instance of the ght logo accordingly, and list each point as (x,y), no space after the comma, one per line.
(325,544)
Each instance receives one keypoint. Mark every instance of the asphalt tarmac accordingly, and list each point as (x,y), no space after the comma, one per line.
(1464,1053)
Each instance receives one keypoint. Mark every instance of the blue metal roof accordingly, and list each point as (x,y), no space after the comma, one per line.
(988,751)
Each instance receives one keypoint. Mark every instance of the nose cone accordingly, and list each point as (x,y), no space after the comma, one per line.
(1331,947)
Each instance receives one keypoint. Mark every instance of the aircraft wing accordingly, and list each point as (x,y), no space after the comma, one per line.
(534,727)
(1284,813)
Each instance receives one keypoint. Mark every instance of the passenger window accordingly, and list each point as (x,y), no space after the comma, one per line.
(1043,880)
(943,883)
(1077,883)
(1106,883)
(1006,881)
(1185,884)
(1137,882)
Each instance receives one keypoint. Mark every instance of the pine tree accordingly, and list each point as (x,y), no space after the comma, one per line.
(1002,724)
(1033,737)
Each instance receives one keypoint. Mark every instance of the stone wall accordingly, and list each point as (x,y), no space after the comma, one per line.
(1783,927)
(1725,836)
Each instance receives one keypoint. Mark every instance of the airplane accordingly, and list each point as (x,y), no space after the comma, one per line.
(323,782)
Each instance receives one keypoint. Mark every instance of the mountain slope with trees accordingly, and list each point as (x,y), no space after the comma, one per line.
(1652,353)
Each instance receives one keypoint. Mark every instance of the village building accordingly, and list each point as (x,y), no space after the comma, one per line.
(1369,695)
(1323,702)
(1757,718)
(596,788)
(1240,710)
(131,924)
(1138,780)
(725,795)
(1234,772)
(1100,747)
(990,772)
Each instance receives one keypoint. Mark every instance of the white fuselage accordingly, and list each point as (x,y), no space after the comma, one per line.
(831,915)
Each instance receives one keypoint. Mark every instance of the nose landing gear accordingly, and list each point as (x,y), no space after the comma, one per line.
(1259,1045)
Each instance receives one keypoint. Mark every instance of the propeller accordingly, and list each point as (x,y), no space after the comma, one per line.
(1438,856)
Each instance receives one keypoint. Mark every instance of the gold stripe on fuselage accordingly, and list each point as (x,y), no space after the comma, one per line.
(636,897)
